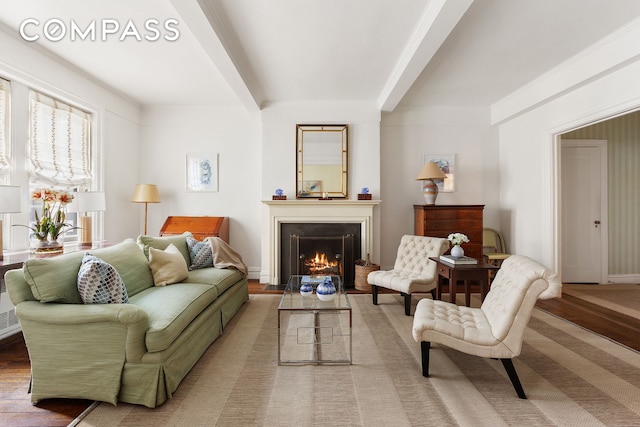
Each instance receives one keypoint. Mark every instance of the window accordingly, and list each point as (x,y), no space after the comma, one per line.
(59,148)
(5,138)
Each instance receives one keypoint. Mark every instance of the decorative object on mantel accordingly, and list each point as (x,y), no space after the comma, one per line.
(279,195)
(428,173)
(325,196)
(9,203)
(50,223)
(146,193)
(456,240)
(363,268)
(364,194)
(83,202)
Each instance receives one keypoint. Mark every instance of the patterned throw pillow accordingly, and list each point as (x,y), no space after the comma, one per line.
(200,253)
(100,283)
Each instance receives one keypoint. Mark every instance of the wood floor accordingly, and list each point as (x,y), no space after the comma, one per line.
(16,408)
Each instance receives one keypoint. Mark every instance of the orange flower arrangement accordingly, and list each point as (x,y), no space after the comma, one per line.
(50,223)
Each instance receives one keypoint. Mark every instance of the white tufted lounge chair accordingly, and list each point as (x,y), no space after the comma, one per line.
(495,329)
(413,271)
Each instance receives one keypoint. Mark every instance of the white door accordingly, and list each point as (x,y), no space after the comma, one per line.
(583,176)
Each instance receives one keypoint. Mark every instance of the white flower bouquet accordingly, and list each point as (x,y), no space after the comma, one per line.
(457,239)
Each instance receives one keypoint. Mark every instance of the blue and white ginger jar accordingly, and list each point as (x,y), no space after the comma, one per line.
(326,290)
(306,289)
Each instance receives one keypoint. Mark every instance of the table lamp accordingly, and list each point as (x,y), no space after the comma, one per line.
(83,202)
(146,193)
(9,203)
(428,173)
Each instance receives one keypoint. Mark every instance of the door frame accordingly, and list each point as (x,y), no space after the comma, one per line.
(604,206)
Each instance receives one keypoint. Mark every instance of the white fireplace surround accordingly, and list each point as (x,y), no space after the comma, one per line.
(313,211)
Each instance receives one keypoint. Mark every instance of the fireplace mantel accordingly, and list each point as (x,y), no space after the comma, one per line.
(313,211)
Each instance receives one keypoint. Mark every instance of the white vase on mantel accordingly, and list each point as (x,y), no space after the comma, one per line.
(457,251)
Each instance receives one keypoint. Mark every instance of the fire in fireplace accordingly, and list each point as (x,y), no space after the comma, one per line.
(320,264)
(320,249)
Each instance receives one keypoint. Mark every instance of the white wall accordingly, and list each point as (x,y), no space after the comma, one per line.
(407,134)
(279,153)
(29,66)
(169,133)
(528,157)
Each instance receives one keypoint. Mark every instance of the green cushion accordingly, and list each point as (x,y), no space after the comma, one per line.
(220,278)
(180,242)
(131,264)
(171,309)
(54,279)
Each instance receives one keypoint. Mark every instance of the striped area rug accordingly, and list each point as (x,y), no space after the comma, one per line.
(572,377)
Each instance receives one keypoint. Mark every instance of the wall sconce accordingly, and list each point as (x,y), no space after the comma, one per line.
(146,193)
(83,202)
(428,173)
(9,203)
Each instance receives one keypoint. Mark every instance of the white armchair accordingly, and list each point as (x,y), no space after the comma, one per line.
(413,271)
(496,329)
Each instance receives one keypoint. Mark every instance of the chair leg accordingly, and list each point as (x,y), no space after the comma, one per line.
(407,303)
(433,294)
(513,376)
(374,294)
(424,347)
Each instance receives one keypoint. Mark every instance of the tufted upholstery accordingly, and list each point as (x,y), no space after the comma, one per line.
(496,328)
(413,271)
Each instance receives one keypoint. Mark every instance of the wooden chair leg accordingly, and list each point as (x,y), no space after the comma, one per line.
(407,303)
(513,376)
(424,347)
(433,294)
(374,294)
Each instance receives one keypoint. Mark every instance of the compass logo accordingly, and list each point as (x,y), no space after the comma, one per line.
(56,29)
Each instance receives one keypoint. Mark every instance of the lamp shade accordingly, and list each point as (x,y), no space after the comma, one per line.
(431,170)
(146,193)
(9,199)
(87,201)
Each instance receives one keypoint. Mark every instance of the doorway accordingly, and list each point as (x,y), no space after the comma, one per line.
(622,184)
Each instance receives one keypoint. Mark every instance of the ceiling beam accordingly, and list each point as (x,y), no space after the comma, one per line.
(209,31)
(437,21)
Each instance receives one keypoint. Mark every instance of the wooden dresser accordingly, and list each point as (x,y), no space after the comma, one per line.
(442,220)
(199,226)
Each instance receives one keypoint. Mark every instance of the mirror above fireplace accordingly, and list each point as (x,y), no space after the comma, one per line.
(321,161)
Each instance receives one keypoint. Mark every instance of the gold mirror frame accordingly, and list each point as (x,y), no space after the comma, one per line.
(321,161)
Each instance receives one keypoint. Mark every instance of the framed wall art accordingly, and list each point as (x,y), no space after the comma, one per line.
(446,162)
(202,172)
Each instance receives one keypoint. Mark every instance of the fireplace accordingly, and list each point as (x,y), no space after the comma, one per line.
(359,214)
(320,248)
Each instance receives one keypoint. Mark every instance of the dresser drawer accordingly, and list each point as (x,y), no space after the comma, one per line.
(453,214)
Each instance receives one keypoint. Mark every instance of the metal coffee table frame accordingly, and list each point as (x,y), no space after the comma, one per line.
(313,334)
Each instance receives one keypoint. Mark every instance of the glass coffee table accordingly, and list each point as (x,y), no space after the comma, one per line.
(311,331)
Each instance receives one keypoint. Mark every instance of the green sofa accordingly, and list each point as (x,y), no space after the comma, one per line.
(136,352)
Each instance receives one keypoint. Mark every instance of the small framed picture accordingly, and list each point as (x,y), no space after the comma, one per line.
(202,172)
(446,162)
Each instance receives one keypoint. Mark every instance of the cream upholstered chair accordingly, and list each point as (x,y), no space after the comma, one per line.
(495,329)
(413,271)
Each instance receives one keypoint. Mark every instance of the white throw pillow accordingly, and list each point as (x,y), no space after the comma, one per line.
(168,266)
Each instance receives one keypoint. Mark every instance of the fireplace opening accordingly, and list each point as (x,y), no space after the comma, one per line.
(319,249)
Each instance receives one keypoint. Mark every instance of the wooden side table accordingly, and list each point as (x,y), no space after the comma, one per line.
(480,273)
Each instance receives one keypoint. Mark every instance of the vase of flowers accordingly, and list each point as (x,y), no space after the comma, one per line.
(457,239)
(50,221)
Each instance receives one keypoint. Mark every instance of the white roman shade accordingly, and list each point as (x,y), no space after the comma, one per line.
(5,96)
(60,142)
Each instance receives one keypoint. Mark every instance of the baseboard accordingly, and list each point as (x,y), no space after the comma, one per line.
(624,278)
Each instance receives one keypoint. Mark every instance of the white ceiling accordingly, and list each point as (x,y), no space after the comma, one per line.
(254,52)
